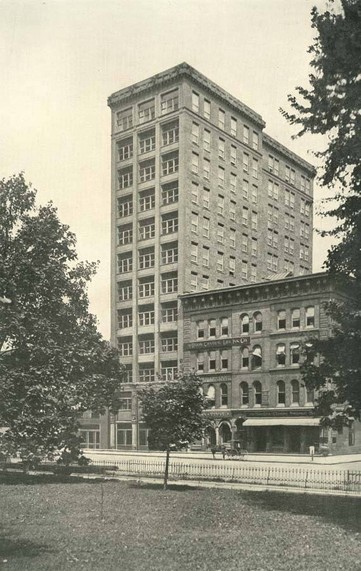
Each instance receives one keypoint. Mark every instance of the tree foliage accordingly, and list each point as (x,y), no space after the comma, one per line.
(173,412)
(331,106)
(54,364)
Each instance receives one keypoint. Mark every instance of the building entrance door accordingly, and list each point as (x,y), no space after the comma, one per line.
(294,439)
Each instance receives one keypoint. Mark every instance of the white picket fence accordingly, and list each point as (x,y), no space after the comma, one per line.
(343,480)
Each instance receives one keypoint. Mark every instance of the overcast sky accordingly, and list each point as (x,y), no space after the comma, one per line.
(61,59)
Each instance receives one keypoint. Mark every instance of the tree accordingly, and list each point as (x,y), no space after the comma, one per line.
(173,411)
(54,364)
(330,106)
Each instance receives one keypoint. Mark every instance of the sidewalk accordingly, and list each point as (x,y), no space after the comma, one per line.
(254,457)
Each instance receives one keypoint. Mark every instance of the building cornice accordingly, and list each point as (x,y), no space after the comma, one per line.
(319,283)
(282,150)
(169,76)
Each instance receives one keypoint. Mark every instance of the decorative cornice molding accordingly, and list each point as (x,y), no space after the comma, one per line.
(287,288)
(177,72)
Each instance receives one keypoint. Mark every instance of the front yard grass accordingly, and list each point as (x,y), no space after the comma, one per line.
(48,524)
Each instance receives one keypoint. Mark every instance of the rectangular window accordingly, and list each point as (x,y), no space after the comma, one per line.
(169,344)
(253,273)
(245,162)
(205,227)
(194,192)
(195,133)
(245,189)
(254,247)
(254,220)
(244,270)
(125,207)
(146,315)
(245,216)
(195,163)
(146,111)
(221,149)
(220,204)
(170,163)
(125,346)
(169,313)
(232,210)
(125,177)
(194,281)
(232,265)
(221,119)
(207,109)
(194,222)
(146,200)
(170,133)
(220,176)
(147,170)
(254,194)
(255,140)
(169,253)
(125,263)
(195,102)
(206,168)
(194,253)
(146,374)
(169,223)
(125,149)
(206,140)
(220,233)
(169,193)
(125,119)
(206,193)
(244,243)
(147,142)
(220,262)
(169,283)
(169,102)
(146,287)
(232,238)
(254,168)
(125,291)
(205,257)
(233,127)
(125,234)
(205,282)
(125,318)
(146,258)
(245,134)
(233,182)
(146,229)
(233,155)
(146,346)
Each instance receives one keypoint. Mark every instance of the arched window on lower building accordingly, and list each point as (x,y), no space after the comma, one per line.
(224,394)
(257,322)
(281,355)
(256,361)
(245,358)
(295,392)
(211,396)
(257,387)
(245,323)
(244,394)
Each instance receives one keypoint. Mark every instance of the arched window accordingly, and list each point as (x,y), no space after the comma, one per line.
(212,327)
(295,353)
(295,386)
(245,323)
(281,355)
(200,363)
(281,319)
(245,358)
(310,316)
(211,396)
(281,392)
(244,394)
(225,433)
(224,360)
(257,387)
(257,322)
(224,394)
(256,361)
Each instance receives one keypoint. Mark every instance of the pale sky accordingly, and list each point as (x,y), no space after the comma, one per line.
(61,59)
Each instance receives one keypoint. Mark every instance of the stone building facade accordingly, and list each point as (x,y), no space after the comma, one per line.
(245,342)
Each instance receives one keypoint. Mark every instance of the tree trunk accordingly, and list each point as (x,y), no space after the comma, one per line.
(166,471)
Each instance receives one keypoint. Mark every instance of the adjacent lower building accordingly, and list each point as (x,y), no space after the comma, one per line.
(245,343)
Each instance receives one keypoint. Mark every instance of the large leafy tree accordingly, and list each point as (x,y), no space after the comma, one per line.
(54,364)
(331,106)
(173,411)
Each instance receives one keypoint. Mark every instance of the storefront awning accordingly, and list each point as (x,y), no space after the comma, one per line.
(282,422)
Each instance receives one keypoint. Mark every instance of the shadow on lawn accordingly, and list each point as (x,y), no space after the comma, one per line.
(344,512)
(19,548)
(141,485)
(12,479)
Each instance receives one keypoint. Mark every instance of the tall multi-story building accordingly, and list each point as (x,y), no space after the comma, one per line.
(202,199)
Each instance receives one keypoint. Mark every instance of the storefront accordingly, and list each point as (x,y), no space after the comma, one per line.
(282,435)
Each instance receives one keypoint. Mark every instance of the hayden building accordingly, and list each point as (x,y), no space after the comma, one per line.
(202,199)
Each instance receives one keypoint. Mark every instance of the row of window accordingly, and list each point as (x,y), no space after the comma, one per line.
(146,285)
(213,361)
(146,170)
(253,395)
(146,228)
(146,110)
(169,195)
(146,141)
(253,323)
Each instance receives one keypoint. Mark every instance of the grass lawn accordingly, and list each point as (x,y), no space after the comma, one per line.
(48,525)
